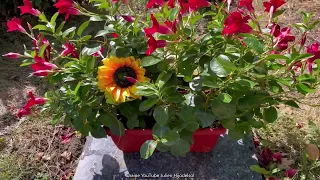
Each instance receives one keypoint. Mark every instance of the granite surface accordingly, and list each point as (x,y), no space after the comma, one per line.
(229,160)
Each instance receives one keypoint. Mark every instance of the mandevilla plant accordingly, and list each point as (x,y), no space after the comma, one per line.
(187,65)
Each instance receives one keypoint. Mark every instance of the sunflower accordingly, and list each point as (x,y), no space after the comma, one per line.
(117,78)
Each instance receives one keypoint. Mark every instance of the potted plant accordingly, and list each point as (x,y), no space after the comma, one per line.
(170,79)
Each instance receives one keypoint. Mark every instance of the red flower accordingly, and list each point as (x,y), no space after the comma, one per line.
(69,48)
(172,25)
(266,156)
(40,41)
(313,49)
(194,5)
(273,178)
(154,44)
(235,23)
(303,39)
(13,55)
(156,27)
(15,25)
(171,3)
(66,7)
(25,110)
(282,37)
(41,67)
(247,4)
(114,35)
(277,157)
(97,54)
(290,173)
(42,73)
(27,8)
(66,138)
(129,19)
(131,79)
(154,3)
(275,3)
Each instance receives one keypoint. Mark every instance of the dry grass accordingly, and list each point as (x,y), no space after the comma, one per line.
(286,134)
(30,148)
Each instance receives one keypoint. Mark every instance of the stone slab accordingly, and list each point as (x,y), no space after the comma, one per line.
(229,160)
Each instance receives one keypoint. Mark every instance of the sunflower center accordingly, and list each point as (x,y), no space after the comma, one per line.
(119,76)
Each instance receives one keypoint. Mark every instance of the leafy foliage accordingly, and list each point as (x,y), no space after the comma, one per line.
(219,78)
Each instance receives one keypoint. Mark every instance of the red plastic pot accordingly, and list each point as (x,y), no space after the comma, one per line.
(204,139)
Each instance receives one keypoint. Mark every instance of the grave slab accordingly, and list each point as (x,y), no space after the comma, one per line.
(229,160)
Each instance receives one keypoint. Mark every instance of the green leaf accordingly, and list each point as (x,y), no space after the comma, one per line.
(223,110)
(26,62)
(161,115)
(43,17)
(193,126)
(175,97)
(75,92)
(180,148)
(163,148)
(58,30)
(258,169)
(209,81)
(307,78)
(84,112)
(276,56)
(222,66)
(146,89)
(235,133)
(133,122)
(163,78)
(149,61)
(41,27)
(291,103)
(85,38)
(186,113)
(171,138)
(147,104)
(225,97)
(205,117)
(53,20)
(305,88)
(82,27)
(102,33)
(160,131)
(148,148)
(228,123)
(42,49)
(254,44)
(68,31)
(99,133)
(129,109)
(270,114)
(91,64)
(90,50)
(173,14)
(107,119)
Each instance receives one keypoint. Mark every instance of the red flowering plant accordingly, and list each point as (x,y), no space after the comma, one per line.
(185,66)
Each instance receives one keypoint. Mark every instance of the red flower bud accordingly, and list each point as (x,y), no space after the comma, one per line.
(13,55)
(290,173)
(129,19)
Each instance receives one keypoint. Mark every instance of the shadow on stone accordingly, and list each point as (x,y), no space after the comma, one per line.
(229,160)
(110,168)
